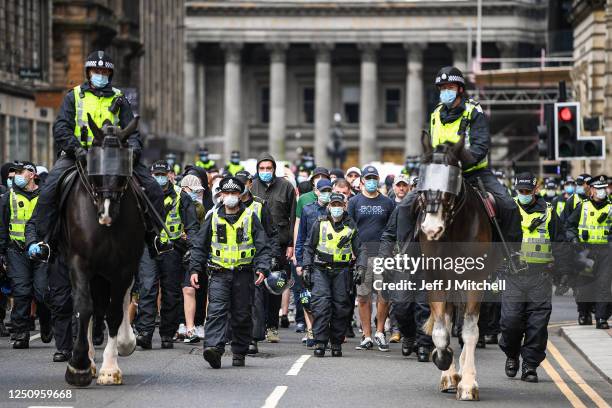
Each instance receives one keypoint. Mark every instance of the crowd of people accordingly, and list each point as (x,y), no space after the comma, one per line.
(238,251)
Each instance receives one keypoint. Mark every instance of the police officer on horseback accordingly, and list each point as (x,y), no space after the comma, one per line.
(102,102)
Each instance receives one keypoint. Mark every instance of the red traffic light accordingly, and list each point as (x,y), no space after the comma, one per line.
(565,114)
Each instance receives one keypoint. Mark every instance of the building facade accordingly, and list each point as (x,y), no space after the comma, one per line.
(25,67)
(268,75)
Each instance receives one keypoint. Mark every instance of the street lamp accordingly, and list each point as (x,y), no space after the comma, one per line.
(335,148)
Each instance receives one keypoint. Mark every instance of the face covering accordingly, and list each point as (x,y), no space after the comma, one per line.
(9,183)
(550,193)
(204,158)
(355,184)
(231,201)
(579,189)
(600,193)
(170,162)
(302,179)
(235,161)
(524,198)
(265,176)
(371,185)
(569,189)
(447,96)
(336,212)
(194,196)
(99,80)
(324,197)
(20,181)
(161,180)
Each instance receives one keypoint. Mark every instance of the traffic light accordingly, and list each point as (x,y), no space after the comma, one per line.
(546,143)
(568,143)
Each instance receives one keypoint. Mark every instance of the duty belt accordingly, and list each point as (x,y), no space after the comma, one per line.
(216,268)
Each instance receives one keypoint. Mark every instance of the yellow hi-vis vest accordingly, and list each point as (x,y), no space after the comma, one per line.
(21,211)
(208,164)
(173,218)
(255,208)
(448,132)
(327,248)
(595,232)
(535,247)
(237,248)
(234,168)
(560,206)
(97,107)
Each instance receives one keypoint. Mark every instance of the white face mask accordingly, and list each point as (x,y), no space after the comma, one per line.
(601,193)
(231,201)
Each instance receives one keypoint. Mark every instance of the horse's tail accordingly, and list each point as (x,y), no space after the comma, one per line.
(428,325)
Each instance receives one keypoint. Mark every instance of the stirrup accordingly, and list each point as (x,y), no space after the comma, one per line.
(162,248)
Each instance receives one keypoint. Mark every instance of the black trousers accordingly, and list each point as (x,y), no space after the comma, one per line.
(258,313)
(165,271)
(29,282)
(330,304)
(59,300)
(230,296)
(525,313)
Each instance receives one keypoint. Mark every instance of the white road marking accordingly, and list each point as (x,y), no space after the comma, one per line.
(34,337)
(275,396)
(297,366)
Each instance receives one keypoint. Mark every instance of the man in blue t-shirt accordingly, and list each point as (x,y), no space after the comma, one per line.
(371,210)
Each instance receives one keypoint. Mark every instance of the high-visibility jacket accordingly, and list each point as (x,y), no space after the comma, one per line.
(536,247)
(232,245)
(21,209)
(174,224)
(97,107)
(233,168)
(328,249)
(590,229)
(208,164)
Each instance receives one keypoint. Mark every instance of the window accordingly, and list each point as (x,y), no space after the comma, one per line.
(42,143)
(308,104)
(392,105)
(19,139)
(265,104)
(350,103)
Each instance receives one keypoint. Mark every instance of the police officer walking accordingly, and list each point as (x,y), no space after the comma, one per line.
(203,160)
(162,265)
(590,228)
(526,302)
(233,166)
(558,203)
(28,277)
(233,245)
(333,246)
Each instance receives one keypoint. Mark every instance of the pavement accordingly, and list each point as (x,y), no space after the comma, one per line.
(594,345)
(287,375)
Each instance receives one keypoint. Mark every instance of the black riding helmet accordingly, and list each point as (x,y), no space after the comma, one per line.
(450,75)
(99,59)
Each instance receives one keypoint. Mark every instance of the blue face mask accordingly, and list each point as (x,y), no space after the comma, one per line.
(161,180)
(601,193)
(371,185)
(9,183)
(235,161)
(579,190)
(525,198)
(569,189)
(99,80)
(324,197)
(193,196)
(448,96)
(204,158)
(336,212)
(265,176)
(20,181)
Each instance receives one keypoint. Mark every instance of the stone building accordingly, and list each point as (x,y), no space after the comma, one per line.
(269,75)
(25,67)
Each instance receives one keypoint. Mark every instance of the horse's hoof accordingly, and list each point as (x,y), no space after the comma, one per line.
(448,383)
(94,371)
(126,349)
(77,377)
(442,358)
(468,394)
(110,377)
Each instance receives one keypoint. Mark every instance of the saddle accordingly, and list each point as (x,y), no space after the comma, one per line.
(64,185)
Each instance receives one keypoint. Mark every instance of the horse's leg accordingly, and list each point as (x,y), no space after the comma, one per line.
(92,350)
(79,371)
(467,390)
(450,378)
(100,297)
(442,356)
(121,339)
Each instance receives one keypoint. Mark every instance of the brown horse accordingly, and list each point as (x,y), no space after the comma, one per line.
(453,223)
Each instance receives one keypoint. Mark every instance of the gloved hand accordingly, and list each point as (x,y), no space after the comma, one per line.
(358,275)
(80,155)
(563,286)
(306,277)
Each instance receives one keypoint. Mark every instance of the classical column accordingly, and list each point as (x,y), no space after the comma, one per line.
(368,105)
(201,105)
(190,94)
(278,91)
(232,114)
(459,56)
(322,103)
(415,98)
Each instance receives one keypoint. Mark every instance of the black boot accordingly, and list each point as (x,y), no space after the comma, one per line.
(319,350)
(3,330)
(253,349)
(284,321)
(166,342)
(407,345)
(481,342)
(602,324)
(213,357)
(490,338)
(336,350)
(22,340)
(144,340)
(585,319)
(350,333)
(238,360)
(61,356)
(46,331)
(423,354)
(529,373)
(512,366)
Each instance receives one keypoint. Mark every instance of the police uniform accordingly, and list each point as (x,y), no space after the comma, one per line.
(233,166)
(332,247)
(28,277)
(167,267)
(233,246)
(203,160)
(526,302)
(589,227)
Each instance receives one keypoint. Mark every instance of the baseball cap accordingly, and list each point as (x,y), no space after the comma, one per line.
(526,181)
(324,183)
(338,197)
(401,178)
(320,171)
(369,171)
(23,165)
(583,178)
(193,182)
(160,167)
(353,170)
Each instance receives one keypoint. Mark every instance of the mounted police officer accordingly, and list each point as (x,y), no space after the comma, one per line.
(589,227)
(331,249)
(166,269)
(203,160)
(526,302)
(99,99)
(233,246)
(28,277)
(234,166)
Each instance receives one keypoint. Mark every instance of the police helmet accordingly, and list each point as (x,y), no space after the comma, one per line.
(276,282)
(450,75)
(99,59)
(305,299)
